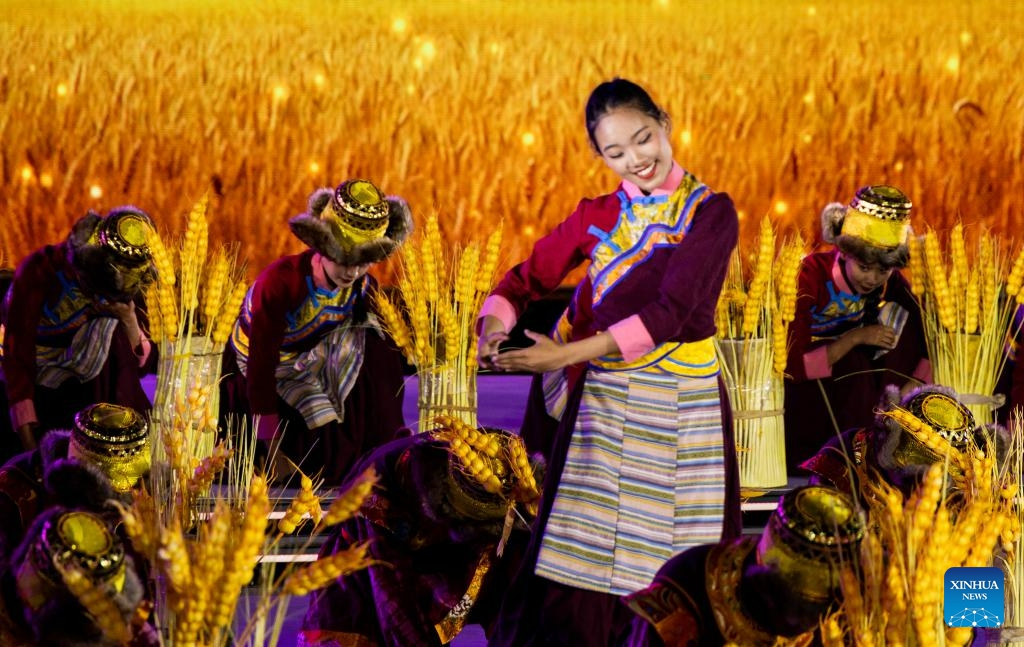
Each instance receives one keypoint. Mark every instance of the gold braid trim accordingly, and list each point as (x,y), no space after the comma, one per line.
(453,623)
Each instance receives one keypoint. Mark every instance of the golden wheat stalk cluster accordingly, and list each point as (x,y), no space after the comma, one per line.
(432,318)
(968,300)
(757,303)
(201,562)
(192,307)
(196,294)
(910,542)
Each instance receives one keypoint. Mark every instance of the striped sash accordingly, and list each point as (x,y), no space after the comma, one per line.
(317,381)
(83,359)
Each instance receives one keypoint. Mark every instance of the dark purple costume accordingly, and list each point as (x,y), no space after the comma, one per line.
(437,566)
(827,308)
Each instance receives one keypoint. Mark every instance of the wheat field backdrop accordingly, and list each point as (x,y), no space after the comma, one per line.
(472,110)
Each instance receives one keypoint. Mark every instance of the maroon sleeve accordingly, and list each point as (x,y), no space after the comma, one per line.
(696,270)
(24,308)
(553,257)
(271,298)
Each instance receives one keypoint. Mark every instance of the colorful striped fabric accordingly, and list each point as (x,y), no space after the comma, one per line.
(317,381)
(643,480)
(83,359)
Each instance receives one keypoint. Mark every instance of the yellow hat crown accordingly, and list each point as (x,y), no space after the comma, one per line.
(357,212)
(115,439)
(878,215)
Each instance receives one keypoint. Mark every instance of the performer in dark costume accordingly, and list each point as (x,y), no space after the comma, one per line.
(74,333)
(307,350)
(889,449)
(857,326)
(752,590)
(55,506)
(434,531)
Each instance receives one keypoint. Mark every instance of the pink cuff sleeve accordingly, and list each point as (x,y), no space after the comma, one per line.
(23,413)
(266,428)
(147,348)
(497,306)
(631,337)
(923,371)
(816,363)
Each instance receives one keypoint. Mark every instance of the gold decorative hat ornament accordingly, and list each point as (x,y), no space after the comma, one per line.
(812,533)
(930,424)
(354,224)
(71,539)
(879,215)
(111,253)
(874,227)
(115,439)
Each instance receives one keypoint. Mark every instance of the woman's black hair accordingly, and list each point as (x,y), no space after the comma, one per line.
(620,93)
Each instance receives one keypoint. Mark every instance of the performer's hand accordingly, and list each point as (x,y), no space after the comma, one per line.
(878,335)
(125,313)
(544,355)
(491,337)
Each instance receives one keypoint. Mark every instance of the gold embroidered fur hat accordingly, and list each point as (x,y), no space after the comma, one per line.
(354,224)
(874,227)
(111,253)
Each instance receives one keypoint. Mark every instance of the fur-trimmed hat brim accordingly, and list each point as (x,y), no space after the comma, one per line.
(317,234)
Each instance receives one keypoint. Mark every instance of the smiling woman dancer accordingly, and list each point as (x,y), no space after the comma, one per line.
(643,463)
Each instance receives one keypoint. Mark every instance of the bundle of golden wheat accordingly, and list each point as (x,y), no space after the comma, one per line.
(192,307)
(968,303)
(433,319)
(752,318)
(911,542)
(200,562)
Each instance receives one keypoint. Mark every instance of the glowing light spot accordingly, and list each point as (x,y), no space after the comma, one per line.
(966,37)
(314,168)
(280,92)
(427,50)
(812,11)
(62,90)
(806,138)
(529,230)
(399,25)
(741,215)
(953,64)
(808,98)
(528,139)
(46,180)
(898,165)
(662,3)
(417,63)
(95,192)
(780,207)
(410,89)
(686,138)
(494,48)
(320,79)
(26,173)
